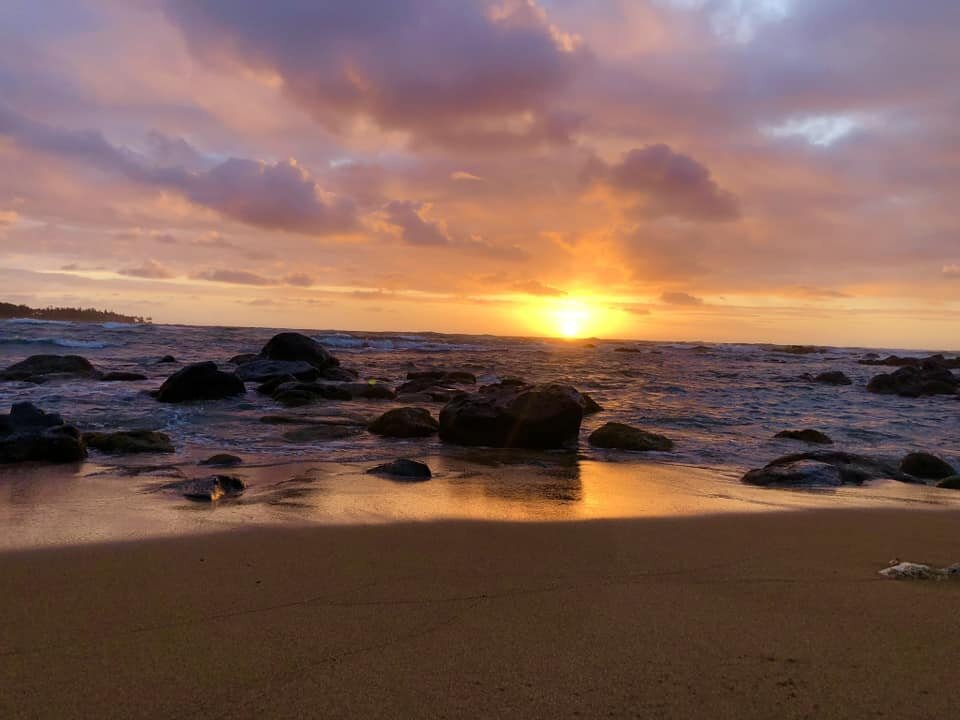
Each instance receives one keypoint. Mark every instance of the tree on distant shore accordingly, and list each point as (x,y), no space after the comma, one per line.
(10,311)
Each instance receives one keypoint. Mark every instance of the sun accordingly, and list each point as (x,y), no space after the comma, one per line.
(572,319)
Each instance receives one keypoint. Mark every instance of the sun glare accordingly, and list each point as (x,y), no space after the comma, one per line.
(572,320)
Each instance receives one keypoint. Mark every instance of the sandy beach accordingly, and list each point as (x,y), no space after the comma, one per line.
(767,615)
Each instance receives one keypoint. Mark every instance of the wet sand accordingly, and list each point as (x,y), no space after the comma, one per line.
(759,616)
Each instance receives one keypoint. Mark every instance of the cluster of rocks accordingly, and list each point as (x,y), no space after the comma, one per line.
(28,434)
(930,376)
(38,369)
(898,361)
(834,468)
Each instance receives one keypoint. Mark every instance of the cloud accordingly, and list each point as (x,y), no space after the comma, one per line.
(680,299)
(535,287)
(464,175)
(280,195)
(7,217)
(448,73)
(818,292)
(150,269)
(414,229)
(951,271)
(233,277)
(664,183)
(298,280)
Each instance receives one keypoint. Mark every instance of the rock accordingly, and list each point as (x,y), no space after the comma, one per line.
(243,358)
(833,377)
(30,434)
(538,416)
(166,359)
(295,346)
(200,381)
(795,349)
(40,368)
(823,467)
(339,374)
(624,437)
(897,361)
(270,386)
(222,460)
(420,385)
(297,394)
(929,378)
(926,466)
(589,405)
(950,483)
(628,350)
(262,370)
(453,377)
(403,469)
(120,376)
(320,433)
(405,422)
(917,571)
(211,489)
(369,390)
(807,435)
(128,442)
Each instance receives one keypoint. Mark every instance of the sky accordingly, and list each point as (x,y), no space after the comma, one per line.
(717,170)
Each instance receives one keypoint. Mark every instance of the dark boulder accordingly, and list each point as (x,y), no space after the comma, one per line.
(296,346)
(405,422)
(297,394)
(897,361)
(339,374)
(222,460)
(271,385)
(368,390)
(128,442)
(590,406)
(950,483)
(538,416)
(262,370)
(807,435)
(40,368)
(243,358)
(210,489)
(167,359)
(926,466)
(200,381)
(453,377)
(931,377)
(28,433)
(624,437)
(122,376)
(833,377)
(403,469)
(823,467)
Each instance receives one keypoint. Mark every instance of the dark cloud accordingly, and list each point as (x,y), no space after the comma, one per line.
(664,183)
(535,287)
(150,269)
(280,195)
(233,277)
(680,298)
(414,228)
(447,72)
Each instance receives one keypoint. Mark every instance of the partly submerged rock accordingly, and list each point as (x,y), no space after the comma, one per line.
(950,483)
(451,377)
(538,416)
(625,437)
(832,377)
(200,381)
(262,370)
(28,433)
(222,460)
(339,374)
(795,349)
(40,368)
(210,489)
(403,469)
(917,571)
(167,359)
(823,468)
(123,376)
(926,466)
(589,405)
(297,394)
(931,377)
(243,358)
(405,422)
(371,390)
(807,435)
(296,346)
(898,361)
(129,442)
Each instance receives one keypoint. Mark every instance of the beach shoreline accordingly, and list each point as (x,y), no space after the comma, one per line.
(750,616)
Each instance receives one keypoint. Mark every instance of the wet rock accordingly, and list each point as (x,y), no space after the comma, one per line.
(795,349)
(321,433)
(129,442)
(41,368)
(589,405)
(222,460)
(200,381)
(261,370)
(339,374)
(950,483)
(28,433)
(833,377)
(823,467)
(628,350)
(440,377)
(403,469)
(807,435)
(369,390)
(538,416)
(929,378)
(211,489)
(425,385)
(298,394)
(122,376)
(405,422)
(898,361)
(243,358)
(270,386)
(917,571)
(926,466)
(624,437)
(295,346)
(167,359)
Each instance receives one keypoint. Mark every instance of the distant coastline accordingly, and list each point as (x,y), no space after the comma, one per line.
(9,311)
